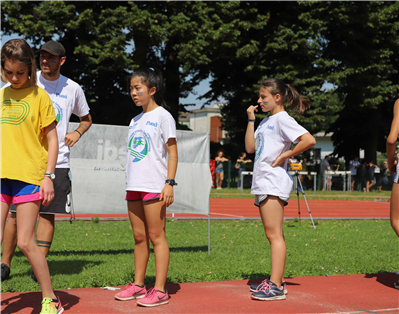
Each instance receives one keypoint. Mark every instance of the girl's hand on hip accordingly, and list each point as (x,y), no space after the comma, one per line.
(280,161)
(46,191)
(251,112)
(167,195)
(392,168)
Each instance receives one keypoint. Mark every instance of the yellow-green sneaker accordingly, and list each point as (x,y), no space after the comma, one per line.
(49,306)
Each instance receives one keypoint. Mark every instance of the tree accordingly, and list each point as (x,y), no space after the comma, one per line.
(360,42)
(282,45)
(177,37)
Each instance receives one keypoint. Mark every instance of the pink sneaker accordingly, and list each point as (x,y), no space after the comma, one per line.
(132,291)
(154,297)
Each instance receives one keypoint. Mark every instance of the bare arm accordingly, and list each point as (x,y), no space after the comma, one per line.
(392,138)
(73,137)
(46,190)
(167,192)
(306,141)
(250,133)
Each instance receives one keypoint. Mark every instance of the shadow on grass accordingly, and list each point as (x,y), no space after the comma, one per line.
(203,248)
(386,279)
(70,267)
(32,301)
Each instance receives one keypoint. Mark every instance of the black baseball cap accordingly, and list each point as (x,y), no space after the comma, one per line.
(53,47)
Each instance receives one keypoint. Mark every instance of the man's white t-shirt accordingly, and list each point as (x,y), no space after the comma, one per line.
(352,165)
(67,97)
(146,166)
(273,137)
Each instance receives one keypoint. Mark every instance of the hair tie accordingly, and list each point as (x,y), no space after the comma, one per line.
(152,69)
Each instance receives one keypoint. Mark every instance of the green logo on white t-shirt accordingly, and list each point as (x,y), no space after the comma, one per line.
(139,145)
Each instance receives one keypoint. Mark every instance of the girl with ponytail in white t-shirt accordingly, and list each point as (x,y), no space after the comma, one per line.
(272,184)
(394,169)
(149,184)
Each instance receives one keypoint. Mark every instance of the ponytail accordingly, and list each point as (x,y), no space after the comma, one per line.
(288,94)
(151,77)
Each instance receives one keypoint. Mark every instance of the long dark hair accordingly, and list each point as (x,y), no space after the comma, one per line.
(288,93)
(18,50)
(151,77)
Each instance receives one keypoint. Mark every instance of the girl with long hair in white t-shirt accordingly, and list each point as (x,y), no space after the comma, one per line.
(29,153)
(394,168)
(271,182)
(149,184)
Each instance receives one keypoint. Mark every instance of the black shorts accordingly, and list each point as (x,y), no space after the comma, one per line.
(62,190)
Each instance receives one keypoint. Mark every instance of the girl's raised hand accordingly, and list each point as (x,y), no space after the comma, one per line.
(251,112)
(167,195)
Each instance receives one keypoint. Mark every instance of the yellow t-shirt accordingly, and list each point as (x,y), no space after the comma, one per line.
(25,114)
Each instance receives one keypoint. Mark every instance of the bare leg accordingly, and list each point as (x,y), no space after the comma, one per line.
(10,240)
(4,213)
(26,221)
(155,215)
(395,208)
(272,214)
(140,234)
(218,180)
(45,232)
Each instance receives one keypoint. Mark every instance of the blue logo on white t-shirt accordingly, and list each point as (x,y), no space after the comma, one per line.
(154,124)
(259,145)
(270,127)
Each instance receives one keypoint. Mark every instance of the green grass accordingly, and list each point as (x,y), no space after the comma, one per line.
(87,254)
(322,195)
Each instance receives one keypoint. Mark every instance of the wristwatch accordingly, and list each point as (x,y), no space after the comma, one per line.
(171,182)
(50,175)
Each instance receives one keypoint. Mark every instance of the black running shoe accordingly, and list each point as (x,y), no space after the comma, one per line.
(5,272)
(33,276)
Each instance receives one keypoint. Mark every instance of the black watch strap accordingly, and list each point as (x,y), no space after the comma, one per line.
(171,182)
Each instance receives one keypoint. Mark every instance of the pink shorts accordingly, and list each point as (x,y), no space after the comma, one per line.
(17,192)
(141,196)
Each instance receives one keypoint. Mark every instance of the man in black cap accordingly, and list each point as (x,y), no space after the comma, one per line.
(67,97)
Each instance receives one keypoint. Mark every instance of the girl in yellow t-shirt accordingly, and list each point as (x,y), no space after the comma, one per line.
(29,153)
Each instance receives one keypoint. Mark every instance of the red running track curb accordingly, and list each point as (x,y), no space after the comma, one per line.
(352,294)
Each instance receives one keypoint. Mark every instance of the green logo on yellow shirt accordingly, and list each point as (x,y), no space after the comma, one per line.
(14,111)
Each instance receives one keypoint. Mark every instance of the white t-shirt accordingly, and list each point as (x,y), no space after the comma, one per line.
(273,137)
(352,165)
(67,97)
(146,166)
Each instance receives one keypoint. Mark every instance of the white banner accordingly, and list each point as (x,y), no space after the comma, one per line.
(98,171)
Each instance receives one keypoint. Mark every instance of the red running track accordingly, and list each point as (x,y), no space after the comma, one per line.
(244,208)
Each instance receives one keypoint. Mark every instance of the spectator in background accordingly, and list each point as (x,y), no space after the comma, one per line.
(324,166)
(242,160)
(219,172)
(353,166)
(370,175)
(381,175)
(362,174)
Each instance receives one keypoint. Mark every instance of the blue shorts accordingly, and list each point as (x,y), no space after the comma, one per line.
(219,170)
(16,192)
